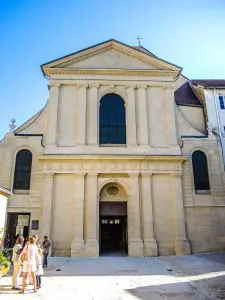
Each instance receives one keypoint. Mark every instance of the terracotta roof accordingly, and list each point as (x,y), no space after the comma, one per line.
(184,95)
(210,83)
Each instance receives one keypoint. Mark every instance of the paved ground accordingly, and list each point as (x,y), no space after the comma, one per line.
(190,277)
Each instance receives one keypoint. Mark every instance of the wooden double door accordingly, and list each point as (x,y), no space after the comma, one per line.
(113,228)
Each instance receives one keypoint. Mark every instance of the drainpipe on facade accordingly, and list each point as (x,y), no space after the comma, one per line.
(219,126)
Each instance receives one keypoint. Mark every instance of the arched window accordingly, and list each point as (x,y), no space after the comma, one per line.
(112,120)
(200,169)
(22,170)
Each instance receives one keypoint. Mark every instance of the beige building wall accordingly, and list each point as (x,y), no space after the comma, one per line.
(205,224)
(70,168)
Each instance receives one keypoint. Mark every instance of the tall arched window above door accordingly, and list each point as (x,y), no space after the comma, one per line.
(22,170)
(112,120)
(200,170)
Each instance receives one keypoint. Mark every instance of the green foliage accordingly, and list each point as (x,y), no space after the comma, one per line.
(2,234)
(8,253)
(3,260)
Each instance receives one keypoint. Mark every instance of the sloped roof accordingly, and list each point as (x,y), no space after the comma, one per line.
(144,50)
(137,48)
(210,83)
(184,95)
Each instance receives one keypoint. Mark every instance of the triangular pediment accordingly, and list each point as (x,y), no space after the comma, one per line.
(111,55)
(112,59)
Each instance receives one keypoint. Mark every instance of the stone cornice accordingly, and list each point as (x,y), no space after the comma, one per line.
(67,71)
(158,158)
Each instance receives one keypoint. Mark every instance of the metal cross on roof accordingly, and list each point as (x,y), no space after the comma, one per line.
(139,38)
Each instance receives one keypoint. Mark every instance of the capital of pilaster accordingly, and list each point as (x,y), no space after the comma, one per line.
(82,85)
(168,86)
(134,175)
(80,175)
(48,175)
(141,86)
(93,85)
(55,84)
(92,175)
(146,175)
(176,174)
(131,86)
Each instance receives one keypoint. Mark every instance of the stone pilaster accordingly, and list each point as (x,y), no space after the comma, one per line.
(171,118)
(142,116)
(48,192)
(53,103)
(77,246)
(135,244)
(81,114)
(182,245)
(131,116)
(150,246)
(93,116)
(91,216)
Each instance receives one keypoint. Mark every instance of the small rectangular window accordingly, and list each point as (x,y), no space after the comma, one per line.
(221,99)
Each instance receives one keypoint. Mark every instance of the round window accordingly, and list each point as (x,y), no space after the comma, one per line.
(113,190)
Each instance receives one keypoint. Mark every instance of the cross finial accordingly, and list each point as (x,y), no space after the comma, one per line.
(139,38)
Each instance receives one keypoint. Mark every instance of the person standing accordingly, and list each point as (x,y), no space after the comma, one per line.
(45,246)
(39,271)
(17,249)
(29,257)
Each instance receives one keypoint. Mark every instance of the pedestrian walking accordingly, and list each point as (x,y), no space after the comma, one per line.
(17,249)
(29,257)
(45,246)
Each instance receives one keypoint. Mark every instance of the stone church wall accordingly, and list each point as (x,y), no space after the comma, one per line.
(205,220)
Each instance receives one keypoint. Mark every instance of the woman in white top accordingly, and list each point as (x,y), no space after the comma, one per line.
(29,257)
(16,264)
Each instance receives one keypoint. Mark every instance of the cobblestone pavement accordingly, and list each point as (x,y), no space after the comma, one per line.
(189,277)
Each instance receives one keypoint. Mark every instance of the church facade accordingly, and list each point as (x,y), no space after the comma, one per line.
(119,160)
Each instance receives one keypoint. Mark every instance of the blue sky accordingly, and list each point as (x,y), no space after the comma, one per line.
(190,34)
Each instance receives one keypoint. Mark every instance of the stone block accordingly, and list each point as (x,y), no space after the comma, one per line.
(136,248)
(150,248)
(182,247)
(91,248)
(77,249)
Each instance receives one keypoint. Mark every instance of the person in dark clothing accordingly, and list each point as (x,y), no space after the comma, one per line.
(45,246)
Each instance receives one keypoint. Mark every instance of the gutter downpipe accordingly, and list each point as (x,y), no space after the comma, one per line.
(219,127)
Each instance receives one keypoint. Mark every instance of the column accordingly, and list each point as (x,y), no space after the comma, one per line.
(52,114)
(150,246)
(131,117)
(93,115)
(135,244)
(77,247)
(48,186)
(182,245)
(171,118)
(91,216)
(142,116)
(81,114)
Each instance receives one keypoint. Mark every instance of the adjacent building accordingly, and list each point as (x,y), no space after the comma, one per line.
(119,159)
(214,92)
